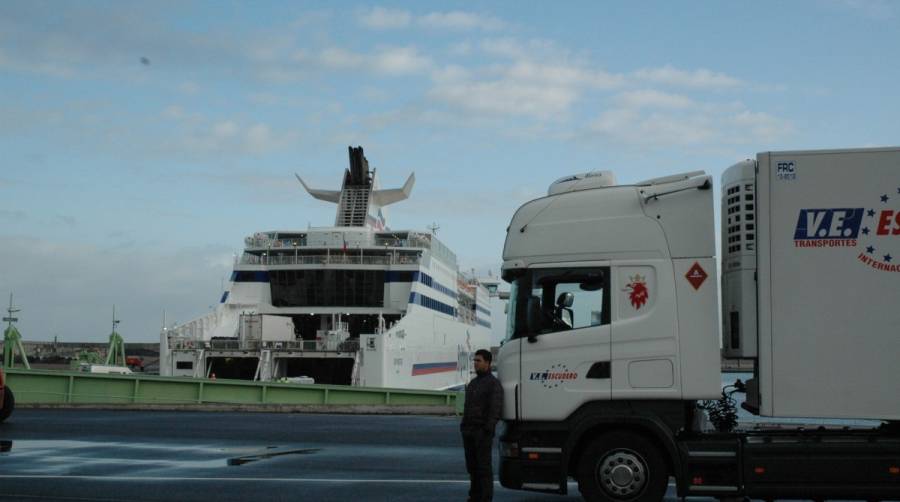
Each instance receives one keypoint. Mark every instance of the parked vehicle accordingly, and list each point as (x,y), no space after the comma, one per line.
(134,363)
(613,332)
(105,369)
(7,400)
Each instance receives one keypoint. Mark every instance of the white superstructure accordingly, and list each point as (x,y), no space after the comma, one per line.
(356,303)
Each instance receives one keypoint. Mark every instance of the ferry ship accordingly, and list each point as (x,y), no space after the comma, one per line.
(353,304)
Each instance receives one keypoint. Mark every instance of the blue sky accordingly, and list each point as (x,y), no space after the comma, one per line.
(134,184)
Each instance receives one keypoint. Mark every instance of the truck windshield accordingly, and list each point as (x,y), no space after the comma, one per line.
(551,300)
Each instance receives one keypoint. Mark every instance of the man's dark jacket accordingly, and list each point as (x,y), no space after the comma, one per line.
(484,400)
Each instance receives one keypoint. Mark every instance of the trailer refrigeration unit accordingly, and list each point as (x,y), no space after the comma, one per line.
(612,341)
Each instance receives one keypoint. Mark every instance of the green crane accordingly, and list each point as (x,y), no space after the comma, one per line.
(12,339)
(115,353)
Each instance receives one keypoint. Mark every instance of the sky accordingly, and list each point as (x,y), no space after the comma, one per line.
(141,142)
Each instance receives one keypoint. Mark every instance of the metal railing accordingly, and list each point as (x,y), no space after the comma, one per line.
(336,258)
(410,241)
(279,346)
(67,387)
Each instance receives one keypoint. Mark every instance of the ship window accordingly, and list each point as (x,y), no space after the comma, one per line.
(399,276)
(184,365)
(250,276)
(555,300)
(327,288)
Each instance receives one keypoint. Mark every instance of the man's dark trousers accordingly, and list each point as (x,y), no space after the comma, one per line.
(478,446)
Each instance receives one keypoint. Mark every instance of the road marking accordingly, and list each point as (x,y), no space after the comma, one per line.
(280,480)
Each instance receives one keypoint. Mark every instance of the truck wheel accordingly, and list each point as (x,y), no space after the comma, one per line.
(622,467)
(9,402)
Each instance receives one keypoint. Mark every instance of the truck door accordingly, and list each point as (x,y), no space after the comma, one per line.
(565,346)
(508,360)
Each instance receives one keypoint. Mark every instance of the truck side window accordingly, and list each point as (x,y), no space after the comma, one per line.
(560,299)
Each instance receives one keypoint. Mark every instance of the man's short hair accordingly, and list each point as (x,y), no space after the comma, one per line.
(485,354)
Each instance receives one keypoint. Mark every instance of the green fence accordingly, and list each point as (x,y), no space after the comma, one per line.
(68,387)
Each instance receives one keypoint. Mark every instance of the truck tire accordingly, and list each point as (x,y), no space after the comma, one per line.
(622,467)
(9,402)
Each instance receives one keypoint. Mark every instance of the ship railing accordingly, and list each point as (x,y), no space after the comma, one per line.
(226,344)
(336,258)
(284,346)
(183,343)
(312,346)
(413,241)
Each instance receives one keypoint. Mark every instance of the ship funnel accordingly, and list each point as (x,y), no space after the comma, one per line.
(360,201)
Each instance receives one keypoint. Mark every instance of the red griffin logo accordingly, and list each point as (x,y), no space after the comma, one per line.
(637,291)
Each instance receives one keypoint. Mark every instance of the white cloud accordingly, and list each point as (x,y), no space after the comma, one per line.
(649,98)
(335,57)
(385,60)
(761,125)
(563,74)
(516,49)
(699,79)
(459,20)
(875,9)
(539,81)
(173,112)
(463,48)
(450,73)
(259,139)
(641,123)
(189,88)
(401,60)
(80,280)
(225,130)
(230,136)
(45,68)
(380,18)
(269,99)
(507,97)
(17,215)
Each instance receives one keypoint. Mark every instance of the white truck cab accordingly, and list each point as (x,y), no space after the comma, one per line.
(613,331)
(635,323)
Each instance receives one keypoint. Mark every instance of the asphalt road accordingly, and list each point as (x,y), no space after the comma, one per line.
(88,455)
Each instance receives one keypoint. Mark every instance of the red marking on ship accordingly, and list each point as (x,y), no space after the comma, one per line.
(431,368)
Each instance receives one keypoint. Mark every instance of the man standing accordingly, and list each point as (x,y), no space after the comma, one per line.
(484,399)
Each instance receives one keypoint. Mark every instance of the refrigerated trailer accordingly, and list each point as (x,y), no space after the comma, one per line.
(614,335)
